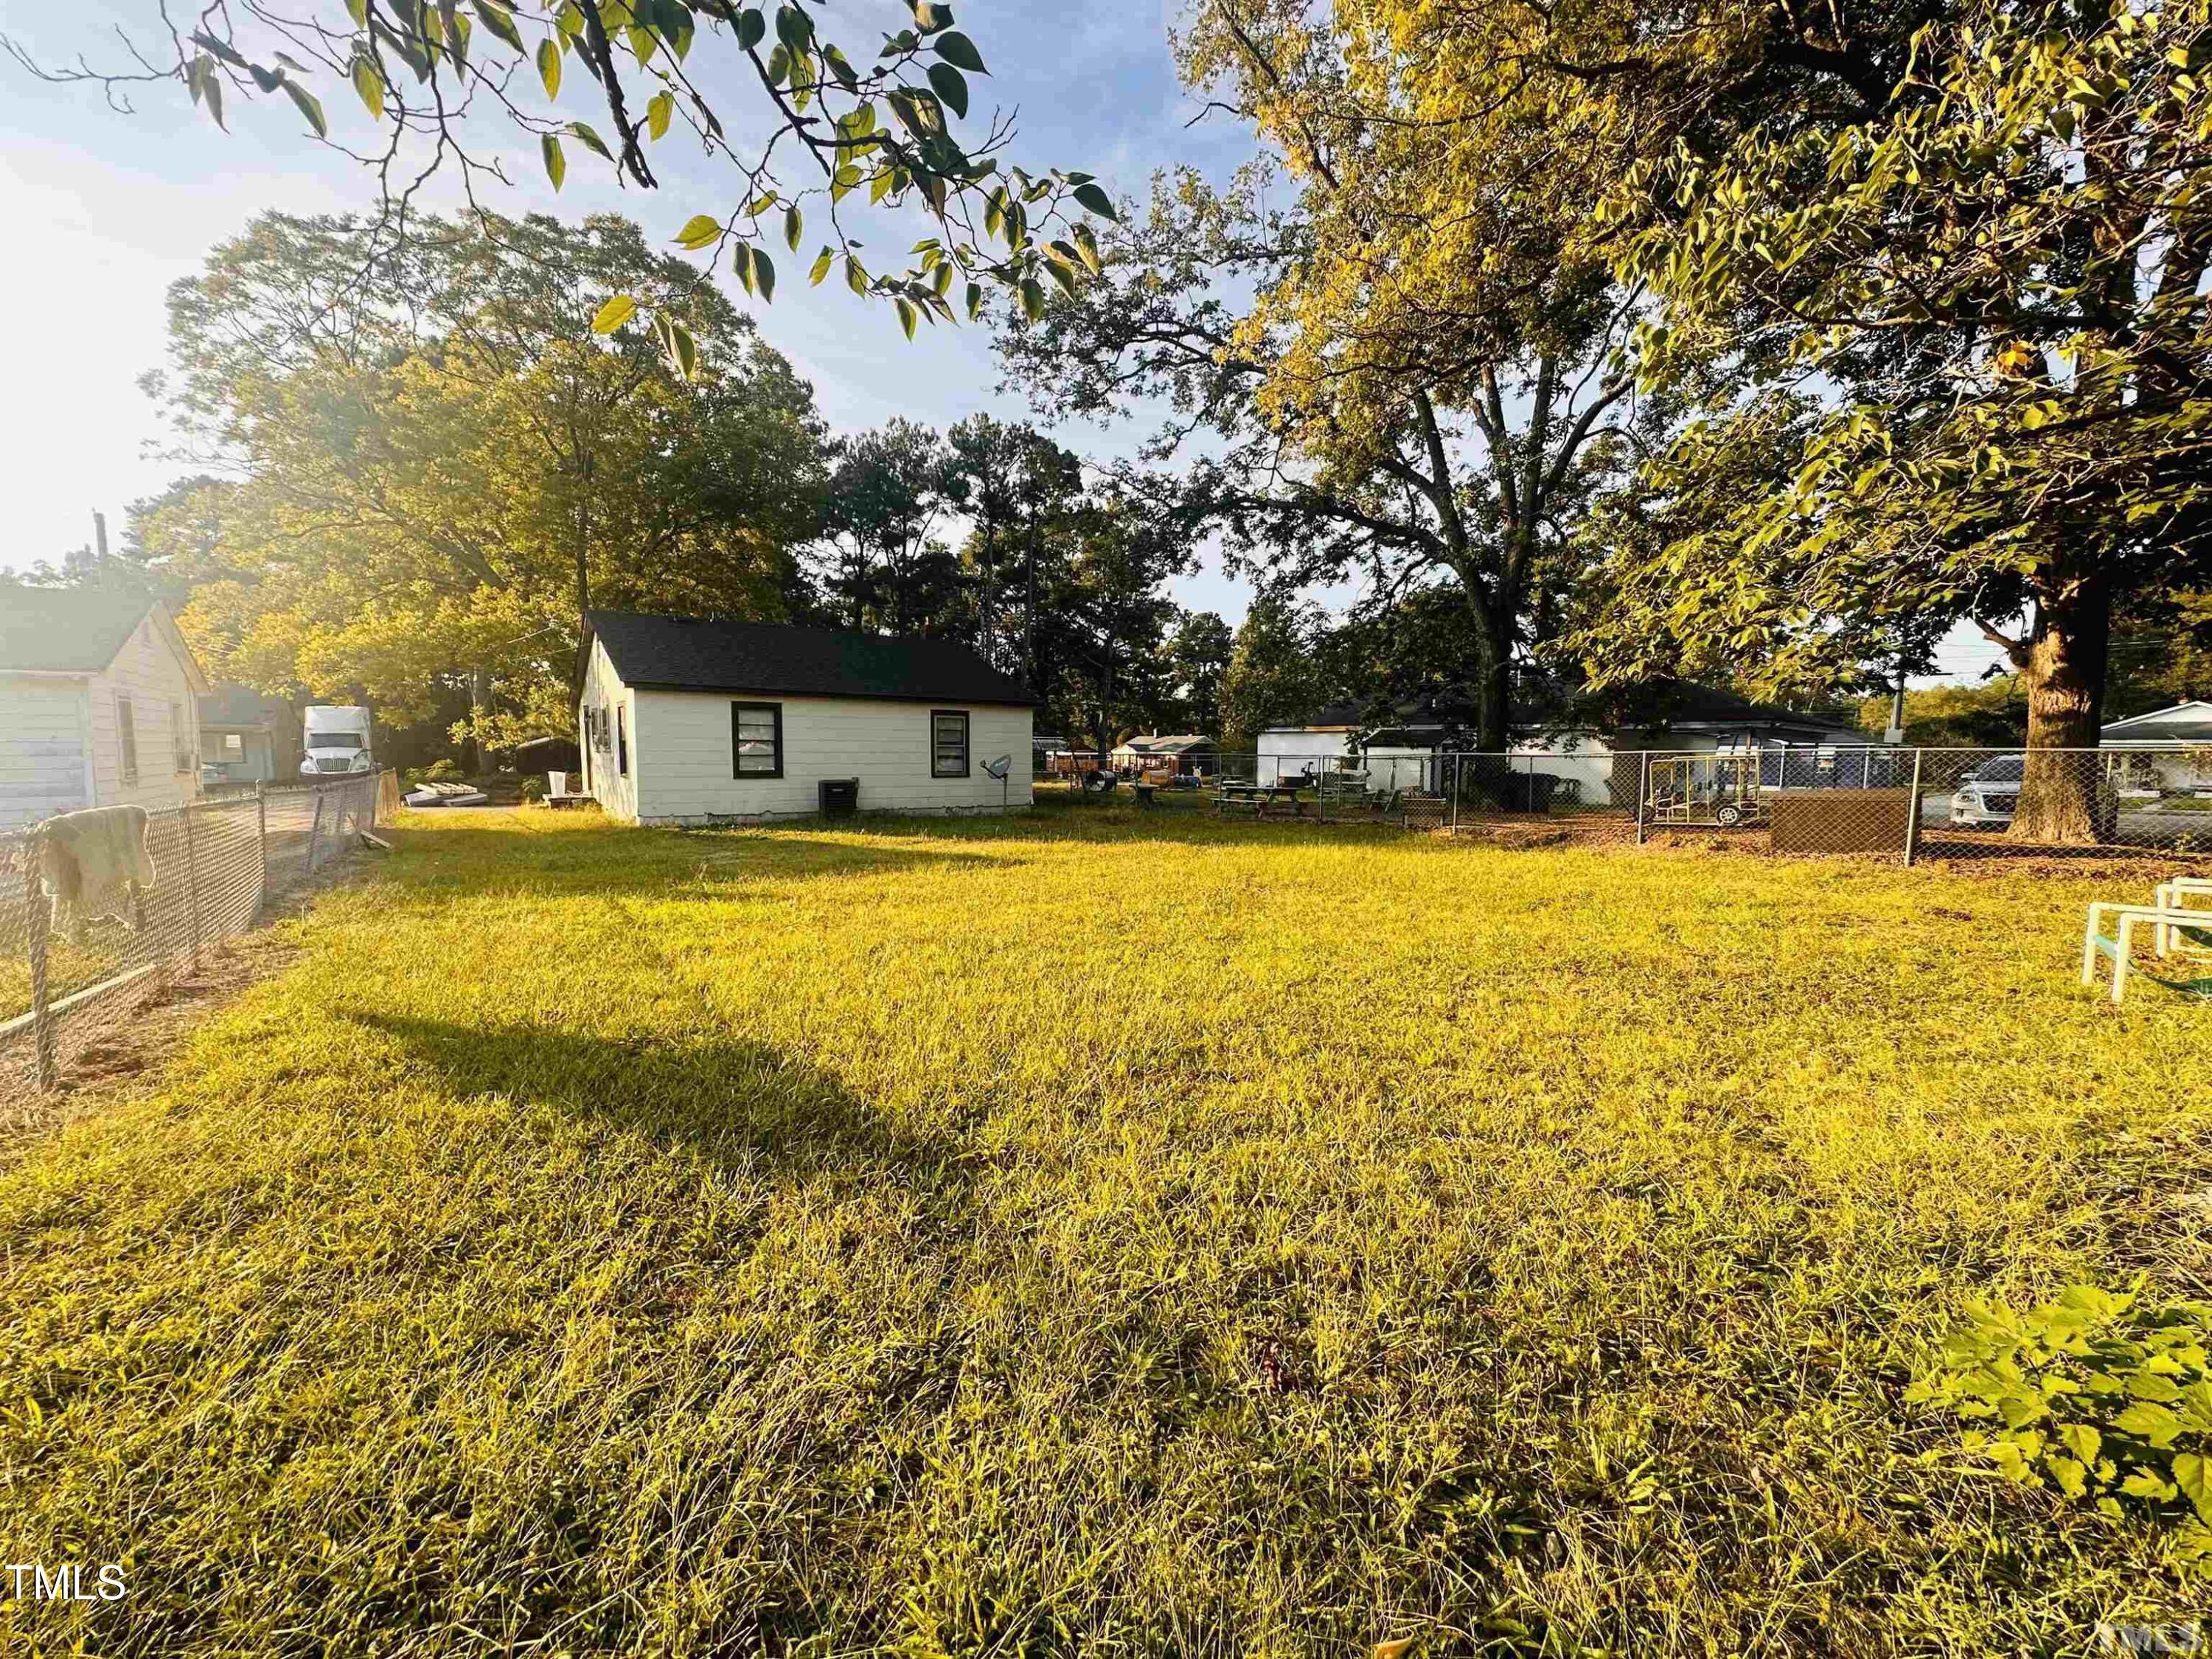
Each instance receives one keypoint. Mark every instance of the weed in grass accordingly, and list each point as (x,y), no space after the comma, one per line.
(1093,1234)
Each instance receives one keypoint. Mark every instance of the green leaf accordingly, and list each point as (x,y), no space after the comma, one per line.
(741,265)
(368,82)
(905,316)
(1096,201)
(975,300)
(699,230)
(212,84)
(823,262)
(856,278)
(2149,1385)
(929,17)
(590,139)
(659,113)
(2072,1480)
(2193,1474)
(311,106)
(501,21)
(951,87)
(956,48)
(752,29)
(556,164)
(613,315)
(677,346)
(793,226)
(1032,298)
(2153,1423)
(1062,277)
(779,63)
(549,66)
(764,274)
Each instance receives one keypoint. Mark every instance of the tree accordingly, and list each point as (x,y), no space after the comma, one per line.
(887,568)
(1103,620)
(438,471)
(1410,399)
(1197,654)
(1943,266)
(1014,483)
(430,74)
(1274,675)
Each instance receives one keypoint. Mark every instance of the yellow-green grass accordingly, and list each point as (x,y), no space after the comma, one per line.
(1098,1234)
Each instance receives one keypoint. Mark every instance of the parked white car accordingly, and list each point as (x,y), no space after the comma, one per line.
(1986,797)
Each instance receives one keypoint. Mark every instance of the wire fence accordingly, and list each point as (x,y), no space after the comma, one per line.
(77,964)
(1912,803)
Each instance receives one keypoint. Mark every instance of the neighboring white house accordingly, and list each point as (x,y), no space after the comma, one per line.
(1332,736)
(2168,750)
(99,703)
(686,721)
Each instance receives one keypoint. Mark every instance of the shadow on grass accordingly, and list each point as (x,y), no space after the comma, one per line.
(740,1105)
(617,858)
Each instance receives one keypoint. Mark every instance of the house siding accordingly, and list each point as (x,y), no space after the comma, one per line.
(149,671)
(44,725)
(602,688)
(681,757)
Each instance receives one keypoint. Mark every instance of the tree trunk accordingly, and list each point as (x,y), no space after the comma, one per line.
(479,694)
(2062,668)
(1493,690)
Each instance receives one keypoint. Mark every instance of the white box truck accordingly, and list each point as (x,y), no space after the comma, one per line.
(337,741)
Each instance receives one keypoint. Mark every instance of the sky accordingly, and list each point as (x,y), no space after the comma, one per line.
(104,210)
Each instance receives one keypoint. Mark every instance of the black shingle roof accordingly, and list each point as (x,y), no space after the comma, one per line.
(65,630)
(689,653)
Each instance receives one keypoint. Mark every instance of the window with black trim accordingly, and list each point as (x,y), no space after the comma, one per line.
(756,740)
(622,741)
(948,743)
(126,732)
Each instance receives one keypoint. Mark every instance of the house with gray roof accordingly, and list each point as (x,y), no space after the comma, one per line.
(690,719)
(99,703)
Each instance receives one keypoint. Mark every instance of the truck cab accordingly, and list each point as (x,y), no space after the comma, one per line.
(337,740)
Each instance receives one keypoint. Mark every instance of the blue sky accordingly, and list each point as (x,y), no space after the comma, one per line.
(104,210)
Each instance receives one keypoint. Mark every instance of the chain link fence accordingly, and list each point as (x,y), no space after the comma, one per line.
(1911,804)
(74,969)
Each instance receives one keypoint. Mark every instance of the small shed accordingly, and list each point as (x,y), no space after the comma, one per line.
(694,720)
(98,703)
(248,738)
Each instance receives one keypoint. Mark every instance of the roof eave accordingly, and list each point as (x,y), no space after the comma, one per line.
(918,698)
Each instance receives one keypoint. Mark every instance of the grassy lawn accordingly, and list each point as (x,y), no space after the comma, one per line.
(1098,1234)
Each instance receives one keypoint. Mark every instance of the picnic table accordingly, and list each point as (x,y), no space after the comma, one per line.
(1236,792)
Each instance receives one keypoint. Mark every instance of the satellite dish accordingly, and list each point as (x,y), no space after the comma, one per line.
(999,768)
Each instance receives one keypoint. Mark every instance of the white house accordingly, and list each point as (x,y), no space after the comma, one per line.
(99,703)
(689,720)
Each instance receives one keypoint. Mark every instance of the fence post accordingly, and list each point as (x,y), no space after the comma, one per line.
(191,885)
(1913,812)
(314,831)
(1454,794)
(1643,789)
(261,840)
(36,916)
